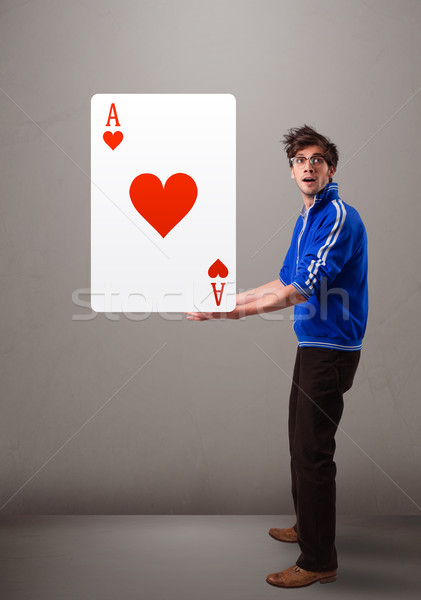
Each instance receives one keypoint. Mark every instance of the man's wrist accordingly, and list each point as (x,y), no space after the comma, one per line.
(234,314)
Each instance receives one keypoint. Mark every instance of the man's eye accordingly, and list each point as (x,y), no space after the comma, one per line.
(300,161)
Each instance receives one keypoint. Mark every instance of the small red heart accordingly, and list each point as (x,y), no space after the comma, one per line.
(113,139)
(163,206)
(218,268)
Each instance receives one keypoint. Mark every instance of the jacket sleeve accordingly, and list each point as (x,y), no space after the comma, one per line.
(285,272)
(326,254)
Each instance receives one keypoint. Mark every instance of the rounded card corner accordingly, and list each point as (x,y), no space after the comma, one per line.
(95,305)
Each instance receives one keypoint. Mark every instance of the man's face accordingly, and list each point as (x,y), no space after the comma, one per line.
(311,179)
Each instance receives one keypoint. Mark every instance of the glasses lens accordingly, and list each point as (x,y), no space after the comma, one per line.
(317,160)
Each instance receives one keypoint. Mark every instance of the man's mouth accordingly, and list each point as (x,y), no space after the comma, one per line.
(309,179)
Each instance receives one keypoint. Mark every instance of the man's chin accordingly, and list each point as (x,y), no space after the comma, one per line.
(311,191)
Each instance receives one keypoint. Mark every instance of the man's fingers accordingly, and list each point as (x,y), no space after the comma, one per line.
(197,316)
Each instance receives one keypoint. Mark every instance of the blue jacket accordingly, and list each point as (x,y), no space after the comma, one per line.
(327,264)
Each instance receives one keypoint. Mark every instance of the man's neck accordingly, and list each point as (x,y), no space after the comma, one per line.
(308,201)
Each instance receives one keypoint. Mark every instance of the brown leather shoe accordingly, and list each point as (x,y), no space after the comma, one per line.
(296,577)
(283,535)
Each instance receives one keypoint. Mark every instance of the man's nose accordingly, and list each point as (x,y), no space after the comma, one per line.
(308,166)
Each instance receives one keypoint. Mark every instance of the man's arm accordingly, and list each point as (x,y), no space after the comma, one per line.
(257,293)
(266,298)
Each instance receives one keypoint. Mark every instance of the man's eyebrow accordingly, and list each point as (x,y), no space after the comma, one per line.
(315,154)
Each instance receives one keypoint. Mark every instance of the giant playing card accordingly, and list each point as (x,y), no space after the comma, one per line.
(163,202)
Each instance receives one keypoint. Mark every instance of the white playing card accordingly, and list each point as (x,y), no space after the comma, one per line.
(163,202)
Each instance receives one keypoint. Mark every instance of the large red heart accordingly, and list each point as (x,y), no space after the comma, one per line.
(113,139)
(218,268)
(163,206)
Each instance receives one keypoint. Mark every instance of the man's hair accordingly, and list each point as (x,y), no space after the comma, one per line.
(298,138)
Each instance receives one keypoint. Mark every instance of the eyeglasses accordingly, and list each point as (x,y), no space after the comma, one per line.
(315,161)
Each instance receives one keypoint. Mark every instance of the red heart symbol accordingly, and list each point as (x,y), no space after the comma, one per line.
(218,268)
(113,139)
(163,206)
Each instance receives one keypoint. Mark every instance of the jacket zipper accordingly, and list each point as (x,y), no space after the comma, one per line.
(300,236)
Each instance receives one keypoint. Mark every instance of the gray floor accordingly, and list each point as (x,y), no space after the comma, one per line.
(196,557)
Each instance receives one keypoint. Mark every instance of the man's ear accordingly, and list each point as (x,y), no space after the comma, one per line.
(331,171)
(292,173)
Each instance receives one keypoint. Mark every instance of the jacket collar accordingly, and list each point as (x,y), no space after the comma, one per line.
(328,193)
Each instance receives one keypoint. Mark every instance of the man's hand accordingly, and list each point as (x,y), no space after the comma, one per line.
(198,316)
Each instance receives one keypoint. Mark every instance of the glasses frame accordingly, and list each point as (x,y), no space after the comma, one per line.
(306,158)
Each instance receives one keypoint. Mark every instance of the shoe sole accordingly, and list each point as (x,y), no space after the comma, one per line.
(323,580)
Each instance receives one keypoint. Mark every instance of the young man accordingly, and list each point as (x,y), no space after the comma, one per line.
(324,275)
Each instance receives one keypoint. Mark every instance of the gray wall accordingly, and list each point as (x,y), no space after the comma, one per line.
(202,425)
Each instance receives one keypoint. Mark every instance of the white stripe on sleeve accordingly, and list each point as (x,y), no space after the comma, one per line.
(330,242)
